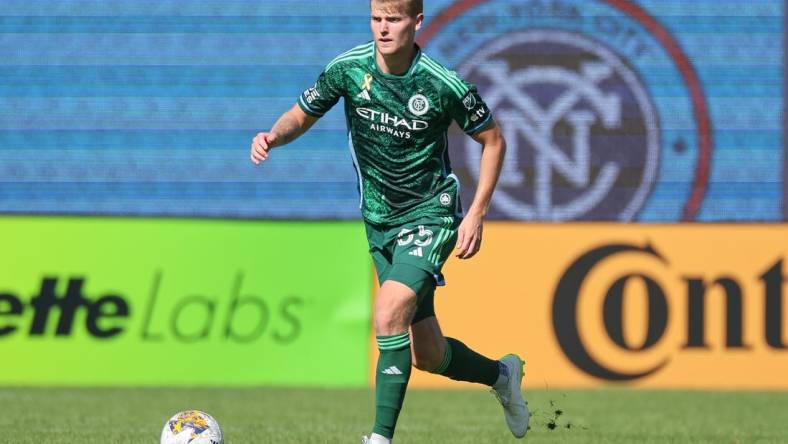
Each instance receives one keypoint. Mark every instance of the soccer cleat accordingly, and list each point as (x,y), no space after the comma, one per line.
(515,408)
(375,439)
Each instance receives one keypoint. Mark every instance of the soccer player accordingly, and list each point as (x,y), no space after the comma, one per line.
(399,104)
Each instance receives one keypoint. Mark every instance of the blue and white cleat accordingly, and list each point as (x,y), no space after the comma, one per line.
(515,408)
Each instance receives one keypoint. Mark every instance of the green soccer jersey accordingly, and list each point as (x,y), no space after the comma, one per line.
(398,131)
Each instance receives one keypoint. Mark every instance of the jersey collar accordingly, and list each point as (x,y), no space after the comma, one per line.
(412,68)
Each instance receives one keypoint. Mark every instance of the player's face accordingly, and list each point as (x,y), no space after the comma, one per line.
(392,28)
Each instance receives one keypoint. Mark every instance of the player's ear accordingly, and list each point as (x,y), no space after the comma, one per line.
(419,20)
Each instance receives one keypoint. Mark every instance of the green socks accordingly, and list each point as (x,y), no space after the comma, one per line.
(393,372)
(463,364)
(391,380)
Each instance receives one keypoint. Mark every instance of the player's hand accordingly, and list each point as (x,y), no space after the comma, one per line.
(261,144)
(469,236)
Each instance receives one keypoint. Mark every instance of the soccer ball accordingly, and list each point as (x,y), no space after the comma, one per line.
(192,427)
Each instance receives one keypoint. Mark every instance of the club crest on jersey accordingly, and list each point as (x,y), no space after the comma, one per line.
(445,199)
(418,105)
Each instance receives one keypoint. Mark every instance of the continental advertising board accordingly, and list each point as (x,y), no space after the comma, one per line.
(182,302)
(641,305)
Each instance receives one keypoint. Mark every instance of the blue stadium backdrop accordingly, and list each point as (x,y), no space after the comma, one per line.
(650,111)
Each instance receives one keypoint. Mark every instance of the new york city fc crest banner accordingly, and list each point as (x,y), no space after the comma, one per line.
(613,110)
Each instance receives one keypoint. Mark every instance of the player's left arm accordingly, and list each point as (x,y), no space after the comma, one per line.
(469,234)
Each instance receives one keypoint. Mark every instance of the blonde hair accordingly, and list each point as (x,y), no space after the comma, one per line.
(411,7)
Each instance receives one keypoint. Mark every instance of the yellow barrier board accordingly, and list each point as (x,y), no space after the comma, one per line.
(693,306)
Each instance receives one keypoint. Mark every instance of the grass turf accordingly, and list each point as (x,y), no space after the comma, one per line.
(277,415)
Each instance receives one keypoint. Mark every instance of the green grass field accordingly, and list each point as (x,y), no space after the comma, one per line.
(276,415)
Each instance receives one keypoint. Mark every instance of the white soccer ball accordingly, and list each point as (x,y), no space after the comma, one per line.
(192,427)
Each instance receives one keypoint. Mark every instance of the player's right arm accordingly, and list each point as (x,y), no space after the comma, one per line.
(287,128)
(312,104)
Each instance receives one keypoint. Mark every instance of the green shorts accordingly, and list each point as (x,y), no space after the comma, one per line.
(414,253)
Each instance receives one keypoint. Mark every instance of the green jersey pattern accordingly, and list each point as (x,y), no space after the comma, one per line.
(398,131)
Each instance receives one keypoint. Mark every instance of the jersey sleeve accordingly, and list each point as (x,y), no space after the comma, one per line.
(320,98)
(469,111)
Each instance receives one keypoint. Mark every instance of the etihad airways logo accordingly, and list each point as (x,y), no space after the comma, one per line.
(392,120)
(390,123)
